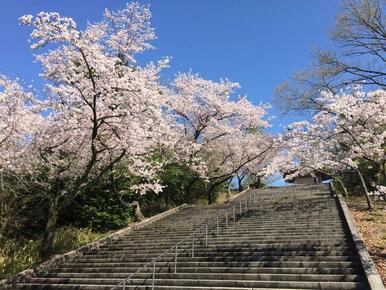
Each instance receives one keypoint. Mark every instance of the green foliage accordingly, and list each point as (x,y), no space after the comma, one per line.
(19,254)
(99,208)
(181,185)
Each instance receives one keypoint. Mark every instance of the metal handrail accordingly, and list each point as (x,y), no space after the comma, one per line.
(176,247)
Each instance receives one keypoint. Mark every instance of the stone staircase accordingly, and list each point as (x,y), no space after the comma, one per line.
(289,238)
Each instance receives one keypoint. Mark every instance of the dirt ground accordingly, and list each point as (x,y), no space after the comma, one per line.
(372,227)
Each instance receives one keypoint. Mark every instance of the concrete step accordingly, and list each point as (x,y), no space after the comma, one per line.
(246,264)
(232,231)
(122,258)
(216,276)
(209,252)
(247,241)
(208,283)
(236,247)
(213,269)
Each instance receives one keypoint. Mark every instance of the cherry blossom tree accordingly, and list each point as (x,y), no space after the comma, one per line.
(350,127)
(233,154)
(102,108)
(307,153)
(228,134)
(254,172)
(263,149)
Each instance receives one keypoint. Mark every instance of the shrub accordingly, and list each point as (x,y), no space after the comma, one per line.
(99,208)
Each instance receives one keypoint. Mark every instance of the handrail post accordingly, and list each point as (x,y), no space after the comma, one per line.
(193,245)
(246,206)
(241,209)
(175,260)
(152,282)
(250,199)
(226,218)
(206,234)
(234,213)
(218,229)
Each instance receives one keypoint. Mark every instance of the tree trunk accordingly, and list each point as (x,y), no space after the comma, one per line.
(383,181)
(258,182)
(240,183)
(137,212)
(368,199)
(343,186)
(46,248)
(229,190)
(383,171)
(210,194)
(210,197)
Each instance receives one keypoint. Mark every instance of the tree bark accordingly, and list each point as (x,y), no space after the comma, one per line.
(240,178)
(368,199)
(229,190)
(240,184)
(258,182)
(343,186)
(210,194)
(46,248)
(137,212)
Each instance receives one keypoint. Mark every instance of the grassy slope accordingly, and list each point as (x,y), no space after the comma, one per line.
(18,255)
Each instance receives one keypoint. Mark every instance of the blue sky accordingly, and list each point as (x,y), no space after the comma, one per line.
(258,43)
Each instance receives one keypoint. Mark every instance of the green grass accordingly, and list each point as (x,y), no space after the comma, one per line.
(371,219)
(18,255)
(69,238)
(223,196)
